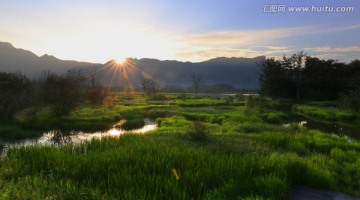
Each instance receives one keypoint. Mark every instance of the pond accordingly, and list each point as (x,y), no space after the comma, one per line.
(334,128)
(326,127)
(57,137)
(331,128)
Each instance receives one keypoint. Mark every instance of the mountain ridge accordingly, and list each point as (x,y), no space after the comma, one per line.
(237,71)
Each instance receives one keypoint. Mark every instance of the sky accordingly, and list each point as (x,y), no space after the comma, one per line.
(185,30)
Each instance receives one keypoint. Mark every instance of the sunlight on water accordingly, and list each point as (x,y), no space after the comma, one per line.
(56,137)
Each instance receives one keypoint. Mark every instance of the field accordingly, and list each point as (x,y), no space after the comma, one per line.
(204,148)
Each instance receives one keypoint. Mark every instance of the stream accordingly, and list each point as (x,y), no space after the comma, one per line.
(57,137)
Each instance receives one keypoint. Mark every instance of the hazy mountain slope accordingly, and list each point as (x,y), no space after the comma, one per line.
(239,72)
(13,59)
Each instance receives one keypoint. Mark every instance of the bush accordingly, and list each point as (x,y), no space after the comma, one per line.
(274,117)
(157,97)
(198,130)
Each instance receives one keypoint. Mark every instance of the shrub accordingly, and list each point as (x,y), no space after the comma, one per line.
(198,130)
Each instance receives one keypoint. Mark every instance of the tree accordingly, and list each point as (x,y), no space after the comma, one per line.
(62,93)
(296,63)
(92,73)
(149,87)
(197,80)
(15,94)
(274,79)
(351,98)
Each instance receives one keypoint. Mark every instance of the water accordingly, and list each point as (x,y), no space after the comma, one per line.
(56,137)
(332,128)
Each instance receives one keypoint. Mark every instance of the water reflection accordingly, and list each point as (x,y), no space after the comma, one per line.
(330,128)
(56,137)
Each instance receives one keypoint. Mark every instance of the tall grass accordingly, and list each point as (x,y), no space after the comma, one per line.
(13,132)
(142,166)
(242,157)
(327,114)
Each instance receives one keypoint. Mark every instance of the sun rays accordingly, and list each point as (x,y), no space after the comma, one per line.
(120,61)
(123,70)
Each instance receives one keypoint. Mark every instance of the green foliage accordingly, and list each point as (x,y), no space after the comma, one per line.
(300,76)
(275,117)
(15,94)
(96,95)
(61,93)
(327,114)
(206,152)
(223,167)
(13,132)
(149,87)
(352,100)
(202,102)
(158,97)
(198,130)
(229,99)
(182,96)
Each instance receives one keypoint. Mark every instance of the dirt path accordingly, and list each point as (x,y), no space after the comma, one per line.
(305,193)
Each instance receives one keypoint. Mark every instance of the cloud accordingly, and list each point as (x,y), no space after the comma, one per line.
(255,36)
(343,28)
(336,49)
(203,54)
(243,37)
(254,42)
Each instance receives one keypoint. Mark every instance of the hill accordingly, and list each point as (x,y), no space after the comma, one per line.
(238,72)
(13,59)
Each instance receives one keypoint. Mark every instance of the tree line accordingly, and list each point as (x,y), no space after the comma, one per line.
(62,93)
(304,77)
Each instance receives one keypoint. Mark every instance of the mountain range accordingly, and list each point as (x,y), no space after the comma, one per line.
(238,72)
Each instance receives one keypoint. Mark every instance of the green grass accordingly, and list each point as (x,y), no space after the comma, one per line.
(327,114)
(14,132)
(198,152)
(200,102)
(85,118)
(141,166)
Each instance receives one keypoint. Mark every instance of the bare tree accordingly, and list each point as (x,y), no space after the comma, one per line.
(149,87)
(92,73)
(196,82)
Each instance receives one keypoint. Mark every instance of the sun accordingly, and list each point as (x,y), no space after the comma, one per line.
(120,61)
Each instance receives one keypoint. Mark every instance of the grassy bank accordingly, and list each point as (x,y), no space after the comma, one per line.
(14,132)
(84,118)
(327,114)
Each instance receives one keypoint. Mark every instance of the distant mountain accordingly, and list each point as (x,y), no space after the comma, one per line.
(239,72)
(13,59)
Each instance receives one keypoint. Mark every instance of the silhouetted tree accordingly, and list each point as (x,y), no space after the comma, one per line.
(274,79)
(96,95)
(149,87)
(295,64)
(62,93)
(15,94)
(92,73)
(197,80)
(351,98)
(301,76)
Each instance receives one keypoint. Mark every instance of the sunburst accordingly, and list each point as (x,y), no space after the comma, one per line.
(120,61)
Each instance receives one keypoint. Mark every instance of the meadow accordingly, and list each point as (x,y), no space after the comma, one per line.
(204,148)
